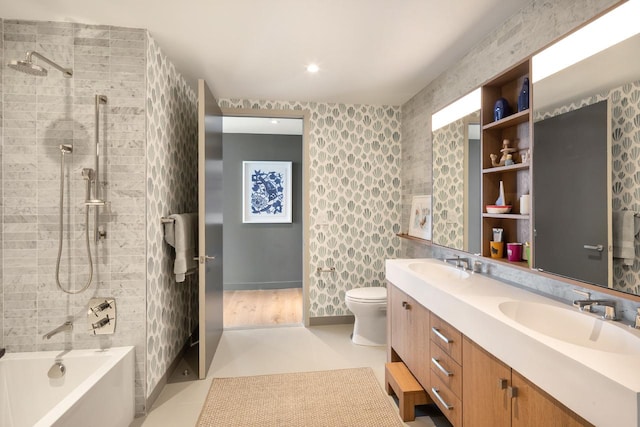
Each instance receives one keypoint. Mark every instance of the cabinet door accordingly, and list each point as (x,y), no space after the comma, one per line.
(399,318)
(418,357)
(485,401)
(532,407)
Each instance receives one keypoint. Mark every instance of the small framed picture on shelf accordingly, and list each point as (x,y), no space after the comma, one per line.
(420,218)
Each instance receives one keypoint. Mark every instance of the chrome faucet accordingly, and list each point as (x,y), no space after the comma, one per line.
(463,263)
(609,307)
(65,327)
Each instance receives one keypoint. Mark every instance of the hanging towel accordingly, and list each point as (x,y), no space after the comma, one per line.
(182,234)
(625,228)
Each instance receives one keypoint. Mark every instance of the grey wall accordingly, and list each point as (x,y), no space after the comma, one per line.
(261,256)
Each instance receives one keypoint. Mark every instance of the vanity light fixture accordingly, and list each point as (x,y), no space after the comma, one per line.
(313,68)
(608,30)
(460,108)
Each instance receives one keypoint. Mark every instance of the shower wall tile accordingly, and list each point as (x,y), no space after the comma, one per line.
(354,180)
(39,114)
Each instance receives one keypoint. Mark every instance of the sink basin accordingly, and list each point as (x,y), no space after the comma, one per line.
(573,327)
(438,269)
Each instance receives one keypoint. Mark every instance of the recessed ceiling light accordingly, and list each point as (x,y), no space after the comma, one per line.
(313,68)
(275,122)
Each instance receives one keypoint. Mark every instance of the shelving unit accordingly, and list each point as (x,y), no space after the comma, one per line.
(516,178)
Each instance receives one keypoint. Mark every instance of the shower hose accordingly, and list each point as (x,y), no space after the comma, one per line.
(61,226)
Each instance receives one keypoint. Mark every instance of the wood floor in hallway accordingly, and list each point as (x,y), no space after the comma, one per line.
(262,307)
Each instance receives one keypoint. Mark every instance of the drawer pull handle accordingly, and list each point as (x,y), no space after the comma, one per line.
(502,383)
(437,395)
(406,305)
(513,392)
(442,337)
(439,366)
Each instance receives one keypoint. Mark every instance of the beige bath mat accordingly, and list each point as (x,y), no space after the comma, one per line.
(347,397)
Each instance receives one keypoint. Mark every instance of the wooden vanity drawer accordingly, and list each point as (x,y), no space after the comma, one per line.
(446,337)
(446,400)
(447,369)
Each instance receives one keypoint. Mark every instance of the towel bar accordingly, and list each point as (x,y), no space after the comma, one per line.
(167,220)
(325,270)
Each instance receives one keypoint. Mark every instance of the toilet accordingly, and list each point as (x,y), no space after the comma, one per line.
(369,306)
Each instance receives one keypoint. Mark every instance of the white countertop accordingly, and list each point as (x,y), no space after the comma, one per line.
(602,387)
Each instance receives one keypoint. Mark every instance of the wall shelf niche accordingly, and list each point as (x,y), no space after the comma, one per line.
(516,178)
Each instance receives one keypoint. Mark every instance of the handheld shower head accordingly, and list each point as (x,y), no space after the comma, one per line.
(27,66)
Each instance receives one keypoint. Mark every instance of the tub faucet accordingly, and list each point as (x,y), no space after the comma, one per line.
(65,327)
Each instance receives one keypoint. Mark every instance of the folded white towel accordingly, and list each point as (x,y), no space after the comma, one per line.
(624,231)
(182,234)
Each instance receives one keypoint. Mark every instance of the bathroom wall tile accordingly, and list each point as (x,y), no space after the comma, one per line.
(3,171)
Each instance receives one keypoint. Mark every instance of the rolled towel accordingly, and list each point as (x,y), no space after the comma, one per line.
(624,231)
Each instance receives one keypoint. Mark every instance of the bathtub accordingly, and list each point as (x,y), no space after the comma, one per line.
(96,390)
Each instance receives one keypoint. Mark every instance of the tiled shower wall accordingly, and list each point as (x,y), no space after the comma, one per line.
(354,181)
(536,26)
(39,114)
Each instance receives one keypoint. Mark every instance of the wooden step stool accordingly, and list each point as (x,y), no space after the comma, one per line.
(399,380)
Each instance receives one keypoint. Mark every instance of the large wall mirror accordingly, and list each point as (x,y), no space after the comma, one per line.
(456,174)
(593,108)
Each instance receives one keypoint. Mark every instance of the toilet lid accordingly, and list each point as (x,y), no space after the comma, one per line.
(371,294)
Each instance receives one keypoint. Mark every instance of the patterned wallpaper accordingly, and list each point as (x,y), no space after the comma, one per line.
(354,181)
(448,184)
(172,171)
(624,102)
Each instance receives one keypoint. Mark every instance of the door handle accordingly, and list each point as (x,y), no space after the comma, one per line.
(598,248)
(206,258)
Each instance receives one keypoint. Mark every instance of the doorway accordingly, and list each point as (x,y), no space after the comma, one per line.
(264,262)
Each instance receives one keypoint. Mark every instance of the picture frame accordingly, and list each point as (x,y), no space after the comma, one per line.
(420,218)
(266,192)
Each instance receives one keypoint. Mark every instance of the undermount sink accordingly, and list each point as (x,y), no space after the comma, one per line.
(436,268)
(572,327)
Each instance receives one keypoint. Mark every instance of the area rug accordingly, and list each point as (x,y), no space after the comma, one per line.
(341,398)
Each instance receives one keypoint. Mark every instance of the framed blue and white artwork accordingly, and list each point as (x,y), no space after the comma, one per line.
(266,192)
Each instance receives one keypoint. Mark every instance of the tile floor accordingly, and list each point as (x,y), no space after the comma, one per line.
(245,352)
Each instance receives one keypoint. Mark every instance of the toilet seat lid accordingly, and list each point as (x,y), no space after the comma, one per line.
(370,294)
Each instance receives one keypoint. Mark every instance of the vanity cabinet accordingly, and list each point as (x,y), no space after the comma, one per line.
(409,334)
(496,395)
(517,128)
(446,369)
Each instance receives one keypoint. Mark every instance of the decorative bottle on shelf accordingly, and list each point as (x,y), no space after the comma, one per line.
(523,98)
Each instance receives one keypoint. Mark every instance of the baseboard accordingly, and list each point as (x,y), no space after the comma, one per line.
(163,380)
(253,286)
(332,320)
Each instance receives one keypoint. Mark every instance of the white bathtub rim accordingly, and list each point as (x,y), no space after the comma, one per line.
(116,354)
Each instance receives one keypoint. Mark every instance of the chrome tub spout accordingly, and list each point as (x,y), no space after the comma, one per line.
(65,327)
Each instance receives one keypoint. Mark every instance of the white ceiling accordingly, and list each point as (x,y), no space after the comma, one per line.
(369,51)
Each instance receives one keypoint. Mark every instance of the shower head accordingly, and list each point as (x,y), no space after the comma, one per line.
(27,66)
